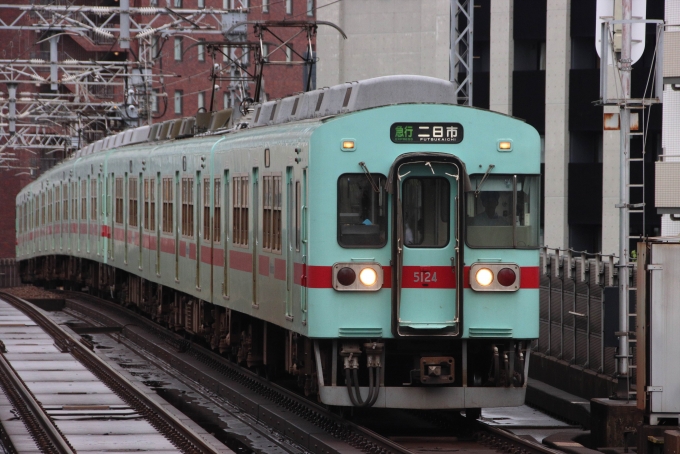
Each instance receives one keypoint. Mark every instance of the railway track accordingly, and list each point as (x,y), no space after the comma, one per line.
(42,427)
(307,425)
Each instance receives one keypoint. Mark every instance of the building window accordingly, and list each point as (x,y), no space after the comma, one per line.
(119,201)
(167,205)
(289,6)
(245,56)
(226,4)
(289,53)
(227,100)
(177,3)
(201,100)
(188,206)
(200,48)
(265,6)
(178,48)
(240,218)
(201,3)
(178,102)
(310,7)
(271,214)
(133,202)
(265,52)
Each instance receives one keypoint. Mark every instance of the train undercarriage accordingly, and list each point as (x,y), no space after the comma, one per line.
(343,371)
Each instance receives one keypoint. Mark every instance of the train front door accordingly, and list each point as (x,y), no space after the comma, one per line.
(428,237)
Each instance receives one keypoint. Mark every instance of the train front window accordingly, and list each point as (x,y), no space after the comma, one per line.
(502,212)
(425,207)
(362,210)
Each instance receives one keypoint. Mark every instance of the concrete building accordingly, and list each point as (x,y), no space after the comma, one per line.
(533,59)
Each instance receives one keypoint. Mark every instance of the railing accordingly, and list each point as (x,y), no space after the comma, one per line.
(572,308)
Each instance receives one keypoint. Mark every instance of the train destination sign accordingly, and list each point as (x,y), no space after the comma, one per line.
(426,132)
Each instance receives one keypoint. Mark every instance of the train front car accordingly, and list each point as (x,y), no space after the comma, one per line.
(422,263)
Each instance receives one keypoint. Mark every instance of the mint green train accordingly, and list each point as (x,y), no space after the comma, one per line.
(373,238)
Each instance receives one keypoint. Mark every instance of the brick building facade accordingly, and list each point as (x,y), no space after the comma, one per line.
(181,85)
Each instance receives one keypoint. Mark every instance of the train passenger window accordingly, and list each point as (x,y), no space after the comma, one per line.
(119,200)
(206,209)
(42,208)
(271,213)
(74,201)
(83,200)
(362,210)
(49,206)
(217,215)
(167,205)
(133,202)
(93,199)
(64,194)
(240,218)
(298,214)
(57,203)
(188,206)
(425,207)
(504,212)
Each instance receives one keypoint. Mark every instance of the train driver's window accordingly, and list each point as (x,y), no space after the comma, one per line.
(502,211)
(362,210)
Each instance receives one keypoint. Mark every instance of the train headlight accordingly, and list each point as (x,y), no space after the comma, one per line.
(345,277)
(484,277)
(494,277)
(368,276)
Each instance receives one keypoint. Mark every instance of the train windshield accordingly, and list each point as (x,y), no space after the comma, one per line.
(362,210)
(503,211)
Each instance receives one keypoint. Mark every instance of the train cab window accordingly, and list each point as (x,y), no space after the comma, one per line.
(362,210)
(502,212)
(426,212)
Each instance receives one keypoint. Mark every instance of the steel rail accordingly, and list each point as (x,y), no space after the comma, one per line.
(40,426)
(167,424)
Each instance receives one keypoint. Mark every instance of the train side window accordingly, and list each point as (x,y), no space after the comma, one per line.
(93,199)
(298,214)
(74,201)
(206,209)
(362,210)
(147,186)
(83,200)
(57,203)
(188,206)
(217,215)
(503,212)
(240,204)
(119,200)
(133,195)
(425,204)
(271,213)
(42,208)
(64,195)
(49,206)
(167,205)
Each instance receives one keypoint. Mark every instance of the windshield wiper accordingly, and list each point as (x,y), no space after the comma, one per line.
(486,175)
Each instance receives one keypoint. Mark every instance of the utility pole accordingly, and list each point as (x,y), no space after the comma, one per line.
(624,224)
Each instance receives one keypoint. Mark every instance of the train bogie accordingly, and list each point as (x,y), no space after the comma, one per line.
(383,249)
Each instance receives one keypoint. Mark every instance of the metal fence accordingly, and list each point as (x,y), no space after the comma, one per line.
(9,273)
(572,308)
